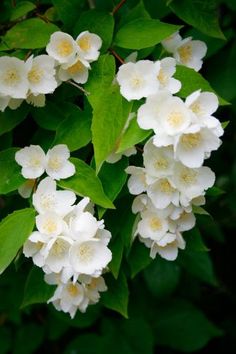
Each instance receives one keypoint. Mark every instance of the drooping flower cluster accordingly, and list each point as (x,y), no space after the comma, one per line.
(186,51)
(173,178)
(70,244)
(30,80)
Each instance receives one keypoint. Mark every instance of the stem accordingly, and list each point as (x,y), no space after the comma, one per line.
(79,87)
(91,4)
(117,56)
(118,6)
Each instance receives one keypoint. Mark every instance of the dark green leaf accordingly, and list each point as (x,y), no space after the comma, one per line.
(148,32)
(21,9)
(10,171)
(14,230)
(68,10)
(11,118)
(48,117)
(86,183)
(37,291)
(139,258)
(116,247)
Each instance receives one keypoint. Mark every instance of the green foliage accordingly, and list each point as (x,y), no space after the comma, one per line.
(11,178)
(86,183)
(68,10)
(14,230)
(36,291)
(148,33)
(21,9)
(20,36)
(10,119)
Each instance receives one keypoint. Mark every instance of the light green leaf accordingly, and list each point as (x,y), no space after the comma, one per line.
(74,131)
(86,183)
(199,210)
(21,9)
(98,22)
(10,171)
(20,36)
(117,296)
(192,81)
(138,258)
(162,277)
(183,327)
(200,14)
(143,33)
(9,119)
(68,10)
(14,230)
(48,117)
(37,291)
(225,124)
(132,135)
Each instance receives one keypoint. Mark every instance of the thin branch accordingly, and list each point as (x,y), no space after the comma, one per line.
(79,87)
(117,56)
(118,6)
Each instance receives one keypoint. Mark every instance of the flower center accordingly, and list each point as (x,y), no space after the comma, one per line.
(72,290)
(55,163)
(84,43)
(64,48)
(175,119)
(188,176)
(50,226)
(35,161)
(161,164)
(59,248)
(85,253)
(35,75)
(196,108)
(136,82)
(162,77)
(48,201)
(190,141)
(155,224)
(11,77)
(165,186)
(185,53)
(78,67)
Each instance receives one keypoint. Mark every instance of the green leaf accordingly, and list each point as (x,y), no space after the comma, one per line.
(225,124)
(183,327)
(37,291)
(20,36)
(48,117)
(200,14)
(137,12)
(194,241)
(139,258)
(116,246)
(117,296)
(143,33)
(199,210)
(109,118)
(9,119)
(215,192)
(86,183)
(10,172)
(98,22)
(21,9)
(75,130)
(14,230)
(162,277)
(68,10)
(28,338)
(132,135)
(192,81)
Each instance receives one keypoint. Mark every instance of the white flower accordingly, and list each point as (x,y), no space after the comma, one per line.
(57,164)
(162,193)
(185,222)
(78,71)
(166,71)
(203,105)
(89,45)
(139,203)
(41,74)
(62,47)
(15,103)
(115,156)
(137,181)
(138,80)
(47,198)
(84,227)
(168,247)
(158,162)
(153,225)
(36,100)
(56,254)
(196,144)
(192,182)
(89,257)
(93,288)
(50,224)
(33,247)
(68,298)
(172,42)
(13,77)
(4,100)
(32,160)
(190,53)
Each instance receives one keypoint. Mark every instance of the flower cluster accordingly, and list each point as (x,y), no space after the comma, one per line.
(173,178)
(70,244)
(30,80)
(186,51)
